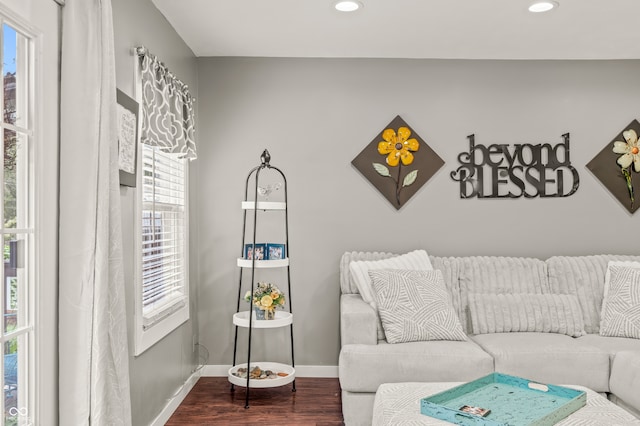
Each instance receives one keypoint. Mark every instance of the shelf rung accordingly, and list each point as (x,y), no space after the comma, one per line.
(264,205)
(283,318)
(277,263)
(264,383)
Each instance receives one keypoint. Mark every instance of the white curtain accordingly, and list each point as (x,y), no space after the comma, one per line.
(93,352)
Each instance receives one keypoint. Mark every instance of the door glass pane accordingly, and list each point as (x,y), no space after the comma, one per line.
(13,71)
(12,410)
(13,277)
(14,179)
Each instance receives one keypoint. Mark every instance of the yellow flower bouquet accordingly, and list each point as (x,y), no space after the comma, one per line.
(267,298)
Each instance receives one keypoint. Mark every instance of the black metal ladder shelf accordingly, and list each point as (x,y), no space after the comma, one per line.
(246,319)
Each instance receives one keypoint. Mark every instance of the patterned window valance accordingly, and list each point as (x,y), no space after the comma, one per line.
(168,120)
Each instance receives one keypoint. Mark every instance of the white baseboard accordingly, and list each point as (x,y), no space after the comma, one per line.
(177,399)
(301,370)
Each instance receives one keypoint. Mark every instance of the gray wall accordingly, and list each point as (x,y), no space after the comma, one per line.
(316,115)
(158,373)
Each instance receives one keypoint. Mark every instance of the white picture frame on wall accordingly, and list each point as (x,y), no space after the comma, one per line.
(127,112)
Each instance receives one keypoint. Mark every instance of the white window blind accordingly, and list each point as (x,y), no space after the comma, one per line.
(164,281)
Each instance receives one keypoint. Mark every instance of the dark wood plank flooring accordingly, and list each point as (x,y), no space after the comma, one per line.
(211,402)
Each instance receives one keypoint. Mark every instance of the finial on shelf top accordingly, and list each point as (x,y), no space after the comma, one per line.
(265,158)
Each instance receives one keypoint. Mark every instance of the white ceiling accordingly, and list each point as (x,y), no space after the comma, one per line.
(471,29)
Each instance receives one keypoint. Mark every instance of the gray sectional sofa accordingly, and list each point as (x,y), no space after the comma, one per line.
(609,365)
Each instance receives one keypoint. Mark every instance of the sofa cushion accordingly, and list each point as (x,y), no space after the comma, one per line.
(450,266)
(415,260)
(621,301)
(506,313)
(548,358)
(583,276)
(415,306)
(500,275)
(625,378)
(362,368)
(611,345)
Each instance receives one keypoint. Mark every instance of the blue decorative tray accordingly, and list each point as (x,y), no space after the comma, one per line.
(503,400)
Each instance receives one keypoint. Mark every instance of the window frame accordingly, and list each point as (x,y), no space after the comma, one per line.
(145,338)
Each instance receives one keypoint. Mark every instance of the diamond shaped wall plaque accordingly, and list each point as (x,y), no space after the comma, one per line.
(397,162)
(617,166)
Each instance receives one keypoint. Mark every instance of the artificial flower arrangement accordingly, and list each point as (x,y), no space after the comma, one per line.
(267,298)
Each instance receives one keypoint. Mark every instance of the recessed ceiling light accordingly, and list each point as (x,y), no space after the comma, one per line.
(542,6)
(348,6)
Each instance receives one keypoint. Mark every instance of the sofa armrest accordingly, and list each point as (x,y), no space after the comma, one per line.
(357,321)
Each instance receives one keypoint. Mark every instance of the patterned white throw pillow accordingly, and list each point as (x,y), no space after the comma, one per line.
(415,306)
(415,260)
(620,315)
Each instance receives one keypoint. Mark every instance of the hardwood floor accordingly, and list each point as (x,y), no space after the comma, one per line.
(211,402)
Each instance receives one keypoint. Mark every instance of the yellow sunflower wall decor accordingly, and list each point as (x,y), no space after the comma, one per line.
(616,164)
(397,147)
(397,162)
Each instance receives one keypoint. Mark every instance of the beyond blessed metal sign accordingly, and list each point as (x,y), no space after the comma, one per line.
(514,171)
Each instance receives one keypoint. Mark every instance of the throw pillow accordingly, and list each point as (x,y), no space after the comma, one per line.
(415,260)
(546,313)
(620,315)
(415,306)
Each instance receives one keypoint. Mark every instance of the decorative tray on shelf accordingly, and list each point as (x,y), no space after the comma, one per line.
(503,400)
(282,374)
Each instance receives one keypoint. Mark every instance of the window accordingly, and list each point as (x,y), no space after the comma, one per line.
(163,291)
(16,225)
(167,144)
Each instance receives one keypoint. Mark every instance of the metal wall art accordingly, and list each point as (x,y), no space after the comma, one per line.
(397,162)
(514,171)
(618,164)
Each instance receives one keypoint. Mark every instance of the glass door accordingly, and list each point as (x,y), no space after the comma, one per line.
(29,34)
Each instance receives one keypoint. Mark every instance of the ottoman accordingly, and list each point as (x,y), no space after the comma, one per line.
(399,404)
